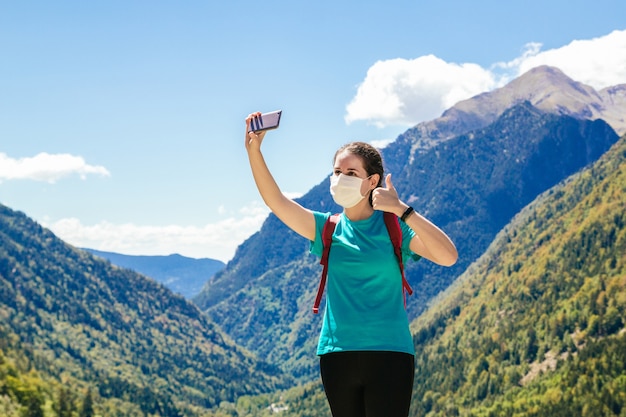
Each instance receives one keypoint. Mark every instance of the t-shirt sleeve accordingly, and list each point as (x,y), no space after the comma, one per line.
(407,235)
(316,246)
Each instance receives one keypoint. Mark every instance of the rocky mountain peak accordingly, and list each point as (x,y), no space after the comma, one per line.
(545,87)
(615,113)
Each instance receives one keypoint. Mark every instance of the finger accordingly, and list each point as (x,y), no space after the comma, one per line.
(250,117)
(388,181)
(248,121)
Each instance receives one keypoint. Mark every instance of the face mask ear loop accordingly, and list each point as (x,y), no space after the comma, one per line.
(369,194)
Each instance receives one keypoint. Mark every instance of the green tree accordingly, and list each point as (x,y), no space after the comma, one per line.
(64,407)
(86,410)
(33,406)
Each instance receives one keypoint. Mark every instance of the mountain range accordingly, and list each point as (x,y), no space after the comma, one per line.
(530,322)
(469,171)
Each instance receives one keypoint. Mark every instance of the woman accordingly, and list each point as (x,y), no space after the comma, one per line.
(365,347)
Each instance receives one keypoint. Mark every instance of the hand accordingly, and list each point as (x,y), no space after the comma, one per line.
(253,139)
(386,198)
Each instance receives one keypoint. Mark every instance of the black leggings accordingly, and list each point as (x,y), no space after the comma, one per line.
(368,384)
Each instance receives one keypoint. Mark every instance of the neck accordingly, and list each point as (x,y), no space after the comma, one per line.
(361,211)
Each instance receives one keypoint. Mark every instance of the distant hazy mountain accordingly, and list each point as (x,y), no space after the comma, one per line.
(72,323)
(470,172)
(181,274)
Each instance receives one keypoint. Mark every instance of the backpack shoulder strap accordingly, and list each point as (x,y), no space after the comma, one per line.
(395,234)
(327,239)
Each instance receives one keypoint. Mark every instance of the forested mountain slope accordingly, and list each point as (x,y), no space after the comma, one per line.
(536,326)
(73,326)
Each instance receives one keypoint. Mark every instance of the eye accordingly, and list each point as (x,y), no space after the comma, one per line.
(337,172)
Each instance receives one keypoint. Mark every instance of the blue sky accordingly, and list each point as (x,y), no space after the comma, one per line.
(122,122)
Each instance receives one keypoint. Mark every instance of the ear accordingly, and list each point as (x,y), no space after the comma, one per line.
(374,181)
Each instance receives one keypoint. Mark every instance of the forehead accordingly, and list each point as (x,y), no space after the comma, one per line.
(348,160)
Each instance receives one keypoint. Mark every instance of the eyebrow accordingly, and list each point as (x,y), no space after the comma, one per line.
(349,169)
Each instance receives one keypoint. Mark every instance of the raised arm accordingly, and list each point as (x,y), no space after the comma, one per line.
(296,217)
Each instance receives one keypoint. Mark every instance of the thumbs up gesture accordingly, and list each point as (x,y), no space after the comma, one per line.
(386,198)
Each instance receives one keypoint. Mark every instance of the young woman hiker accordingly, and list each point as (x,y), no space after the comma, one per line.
(365,347)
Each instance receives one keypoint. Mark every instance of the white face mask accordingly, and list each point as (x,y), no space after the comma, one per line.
(346,190)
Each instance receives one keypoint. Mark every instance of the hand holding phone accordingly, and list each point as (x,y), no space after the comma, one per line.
(265,121)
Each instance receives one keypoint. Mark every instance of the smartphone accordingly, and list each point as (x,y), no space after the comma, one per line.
(266,121)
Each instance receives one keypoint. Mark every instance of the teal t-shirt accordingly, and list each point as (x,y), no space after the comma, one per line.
(364,298)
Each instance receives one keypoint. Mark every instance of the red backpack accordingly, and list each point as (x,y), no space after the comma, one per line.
(395,233)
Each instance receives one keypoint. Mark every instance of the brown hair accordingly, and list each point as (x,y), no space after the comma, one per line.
(369,155)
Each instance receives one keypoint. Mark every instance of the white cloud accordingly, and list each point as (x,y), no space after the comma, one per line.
(598,62)
(217,240)
(381,143)
(46,167)
(405,92)
(401,91)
